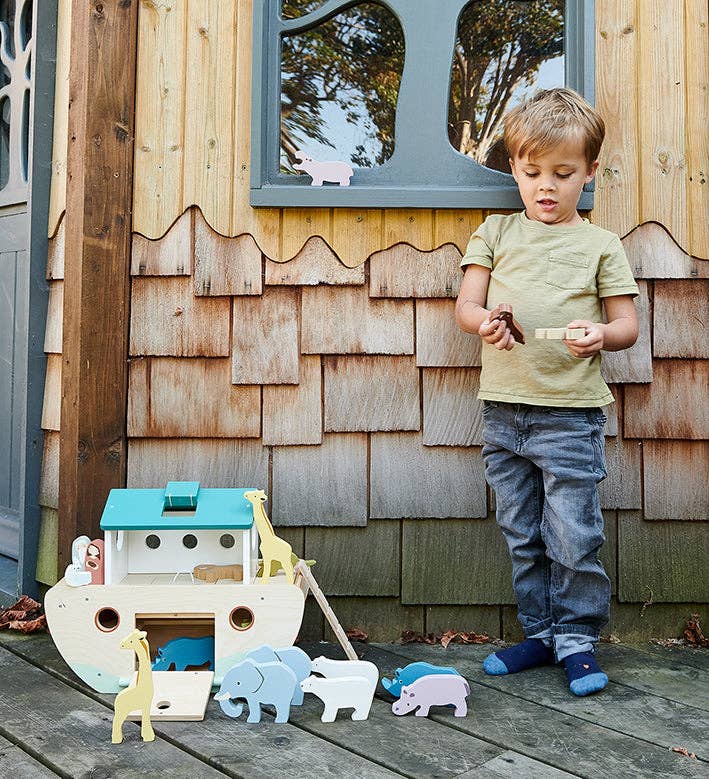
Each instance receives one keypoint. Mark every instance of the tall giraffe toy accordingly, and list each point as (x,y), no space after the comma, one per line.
(272,548)
(140,695)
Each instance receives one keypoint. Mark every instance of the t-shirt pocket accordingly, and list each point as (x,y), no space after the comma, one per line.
(567,270)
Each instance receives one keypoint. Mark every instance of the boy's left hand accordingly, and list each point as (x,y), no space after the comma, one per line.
(591,343)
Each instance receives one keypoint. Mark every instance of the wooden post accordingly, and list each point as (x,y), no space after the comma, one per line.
(96,281)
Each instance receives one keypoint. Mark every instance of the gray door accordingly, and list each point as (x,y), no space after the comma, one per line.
(15,88)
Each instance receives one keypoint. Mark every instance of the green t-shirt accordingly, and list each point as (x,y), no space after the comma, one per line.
(551,275)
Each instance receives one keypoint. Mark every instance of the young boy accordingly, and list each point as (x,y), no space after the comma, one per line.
(543,428)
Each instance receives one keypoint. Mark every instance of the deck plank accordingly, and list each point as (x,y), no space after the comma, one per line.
(17,763)
(510,764)
(632,712)
(234,747)
(569,743)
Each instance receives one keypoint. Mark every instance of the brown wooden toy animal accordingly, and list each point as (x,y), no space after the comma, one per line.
(213,573)
(503,312)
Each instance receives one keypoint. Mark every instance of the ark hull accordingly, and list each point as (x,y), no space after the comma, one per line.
(87,623)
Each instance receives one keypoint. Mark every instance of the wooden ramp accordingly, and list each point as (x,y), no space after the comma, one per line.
(527,725)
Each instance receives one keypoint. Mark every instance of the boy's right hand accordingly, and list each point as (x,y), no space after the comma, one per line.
(496,333)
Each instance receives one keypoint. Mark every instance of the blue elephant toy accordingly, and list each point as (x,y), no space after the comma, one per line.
(294,657)
(258,683)
(184,652)
(410,673)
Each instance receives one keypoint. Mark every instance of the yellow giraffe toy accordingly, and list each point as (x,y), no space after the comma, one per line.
(273,549)
(140,696)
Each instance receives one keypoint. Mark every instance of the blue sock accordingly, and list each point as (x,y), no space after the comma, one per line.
(531,653)
(584,674)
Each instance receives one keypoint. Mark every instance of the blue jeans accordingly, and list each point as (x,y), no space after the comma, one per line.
(544,465)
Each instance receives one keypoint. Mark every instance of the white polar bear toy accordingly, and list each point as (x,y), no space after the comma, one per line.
(332,669)
(344,692)
(335,172)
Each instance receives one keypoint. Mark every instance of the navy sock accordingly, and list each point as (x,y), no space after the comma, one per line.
(531,653)
(584,674)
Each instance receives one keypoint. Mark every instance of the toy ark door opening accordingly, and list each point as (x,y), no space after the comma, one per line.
(183,642)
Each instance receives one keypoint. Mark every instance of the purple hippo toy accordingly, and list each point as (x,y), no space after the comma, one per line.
(433,690)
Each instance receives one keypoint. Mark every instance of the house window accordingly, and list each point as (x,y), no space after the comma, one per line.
(407,96)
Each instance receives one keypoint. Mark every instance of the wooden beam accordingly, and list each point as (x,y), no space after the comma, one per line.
(97,284)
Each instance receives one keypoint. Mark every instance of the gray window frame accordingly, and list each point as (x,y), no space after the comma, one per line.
(404,183)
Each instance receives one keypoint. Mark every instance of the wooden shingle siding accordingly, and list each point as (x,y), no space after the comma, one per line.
(405,272)
(315,263)
(55,254)
(611,412)
(456,561)
(178,398)
(356,561)
(299,224)
(439,340)
(170,255)
(621,489)
(49,479)
(609,551)
(356,233)
(226,462)
(452,413)
(345,320)
(265,338)
(455,226)
(659,563)
(682,468)
(377,617)
(225,266)
(292,414)
(409,479)
(478,619)
(673,406)
(371,393)
(413,226)
(634,364)
(681,318)
(55,311)
(52,403)
(653,254)
(321,485)
(166,319)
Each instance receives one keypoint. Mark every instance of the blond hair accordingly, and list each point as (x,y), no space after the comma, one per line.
(550,117)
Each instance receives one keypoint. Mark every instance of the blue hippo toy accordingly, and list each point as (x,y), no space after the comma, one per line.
(184,652)
(410,673)
(294,657)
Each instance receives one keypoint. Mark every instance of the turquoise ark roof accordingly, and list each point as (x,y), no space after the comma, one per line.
(180,506)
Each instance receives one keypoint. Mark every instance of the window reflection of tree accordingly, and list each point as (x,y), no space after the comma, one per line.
(351,63)
(499,49)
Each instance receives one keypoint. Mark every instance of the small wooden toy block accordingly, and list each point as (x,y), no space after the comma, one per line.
(433,690)
(183,652)
(213,573)
(272,548)
(335,172)
(410,673)
(335,669)
(181,495)
(503,312)
(559,333)
(259,683)
(344,692)
(139,697)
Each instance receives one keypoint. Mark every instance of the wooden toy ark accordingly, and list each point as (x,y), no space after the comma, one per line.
(410,673)
(138,697)
(153,540)
(433,690)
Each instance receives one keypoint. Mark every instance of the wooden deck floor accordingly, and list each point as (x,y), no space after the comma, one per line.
(527,725)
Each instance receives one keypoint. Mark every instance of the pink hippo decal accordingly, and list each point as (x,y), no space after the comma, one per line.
(334,172)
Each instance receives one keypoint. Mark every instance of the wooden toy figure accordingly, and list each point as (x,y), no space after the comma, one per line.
(272,548)
(335,172)
(504,312)
(343,692)
(433,690)
(138,697)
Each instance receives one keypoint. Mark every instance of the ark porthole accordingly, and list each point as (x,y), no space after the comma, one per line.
(107,620)
(227,540)
(241,618)
(189,541)
(152,541)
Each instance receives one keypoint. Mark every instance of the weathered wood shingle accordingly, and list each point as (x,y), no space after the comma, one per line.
(55,311)
(292,413)
(653,254)
(315,263)
(52,403)
(681,319)
(179,398)
(167,319)
(676,479)
(452,413)
(621,488)
(265,338)
(321,485)
(405,272)
(634,364)
(409,479)
(345,320)
(170,255)
(439,340)
(371,393)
